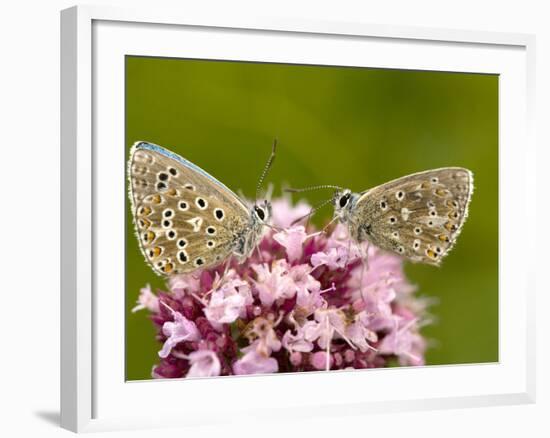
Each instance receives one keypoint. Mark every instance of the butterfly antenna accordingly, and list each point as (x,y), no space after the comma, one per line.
(311,212)
(307,189)
(266,169)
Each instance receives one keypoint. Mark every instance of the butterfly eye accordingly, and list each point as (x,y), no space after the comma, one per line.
(260,213)
(344,200)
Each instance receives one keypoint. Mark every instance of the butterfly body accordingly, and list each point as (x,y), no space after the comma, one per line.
(418,216)
(186,219)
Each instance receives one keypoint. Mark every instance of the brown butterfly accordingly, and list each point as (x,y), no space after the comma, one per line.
(418,216)
(186,219)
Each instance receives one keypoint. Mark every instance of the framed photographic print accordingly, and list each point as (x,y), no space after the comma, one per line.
(252,209)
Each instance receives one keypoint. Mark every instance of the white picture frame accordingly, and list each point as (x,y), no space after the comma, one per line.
(94,395)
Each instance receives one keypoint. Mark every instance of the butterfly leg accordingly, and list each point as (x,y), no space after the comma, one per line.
(348,252)
(221,279)
(260,257)
(365,254)
(365,265)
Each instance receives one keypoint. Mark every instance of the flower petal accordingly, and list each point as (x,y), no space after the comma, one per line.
(204,363)
(179,330)
(292,239)
(255,363)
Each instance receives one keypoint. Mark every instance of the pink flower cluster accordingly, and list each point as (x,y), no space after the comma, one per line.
(304,302)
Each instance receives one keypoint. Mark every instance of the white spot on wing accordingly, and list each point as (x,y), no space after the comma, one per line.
(196,223)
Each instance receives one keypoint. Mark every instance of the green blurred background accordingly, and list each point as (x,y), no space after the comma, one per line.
(354,127)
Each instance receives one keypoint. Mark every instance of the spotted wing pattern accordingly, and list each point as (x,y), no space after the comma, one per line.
(418,216)
(184,218)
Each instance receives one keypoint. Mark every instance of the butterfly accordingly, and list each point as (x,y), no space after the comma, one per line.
(186,219)
(418,216)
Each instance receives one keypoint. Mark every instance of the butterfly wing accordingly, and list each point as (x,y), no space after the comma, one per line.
(184,218)
(418,216)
